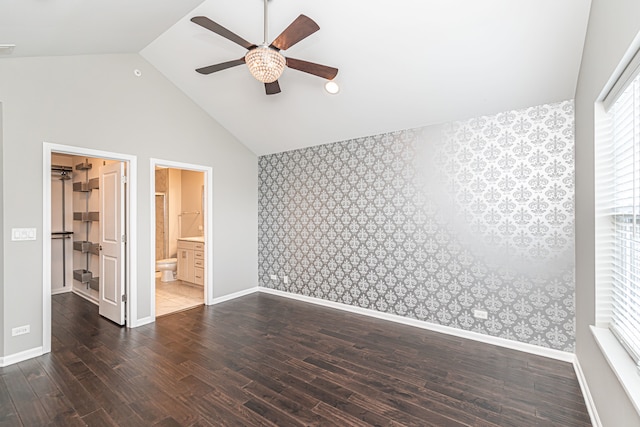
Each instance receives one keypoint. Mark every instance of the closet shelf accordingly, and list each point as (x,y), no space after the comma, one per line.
(82,275)
(86,216)
(81,187)
(86,187)
(85,246)
(83,166)
(82,246)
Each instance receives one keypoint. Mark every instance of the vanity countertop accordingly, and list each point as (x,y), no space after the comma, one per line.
(199,239)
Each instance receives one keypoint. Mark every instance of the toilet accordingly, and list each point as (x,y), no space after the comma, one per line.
(167,268)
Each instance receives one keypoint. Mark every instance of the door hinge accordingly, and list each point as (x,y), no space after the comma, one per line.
(124,238)
(124,179)
(124,298)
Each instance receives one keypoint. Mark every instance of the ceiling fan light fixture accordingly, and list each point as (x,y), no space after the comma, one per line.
(265,64)
(332,87)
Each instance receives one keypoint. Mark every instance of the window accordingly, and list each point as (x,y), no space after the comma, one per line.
(618,222)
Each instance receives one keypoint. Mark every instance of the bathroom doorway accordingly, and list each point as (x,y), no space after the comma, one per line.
(179,236)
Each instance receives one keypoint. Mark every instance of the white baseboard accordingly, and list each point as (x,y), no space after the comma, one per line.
(476,336)
(61,291)
(234,295)
(586,393)
(85,296)
(20,357)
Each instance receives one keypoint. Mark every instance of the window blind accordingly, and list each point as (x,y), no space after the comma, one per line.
(618,210)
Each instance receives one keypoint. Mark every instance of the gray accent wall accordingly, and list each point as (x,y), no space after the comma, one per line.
(97,102)
(613,25)
(433,223)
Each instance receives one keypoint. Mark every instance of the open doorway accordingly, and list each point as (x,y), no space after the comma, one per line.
(88,213)
(180,218)
(87,225)
(180,241)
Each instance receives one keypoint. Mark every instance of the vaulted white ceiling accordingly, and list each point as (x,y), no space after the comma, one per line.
(403,63)
(77,27)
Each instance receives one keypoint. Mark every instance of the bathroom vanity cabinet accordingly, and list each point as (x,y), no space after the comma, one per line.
(191,260)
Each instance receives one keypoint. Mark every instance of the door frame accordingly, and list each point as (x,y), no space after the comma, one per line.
(131,210)
(208,225)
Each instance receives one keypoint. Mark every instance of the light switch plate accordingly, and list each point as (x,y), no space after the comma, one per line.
(18,234)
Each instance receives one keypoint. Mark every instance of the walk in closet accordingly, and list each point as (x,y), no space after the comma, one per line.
(75,225)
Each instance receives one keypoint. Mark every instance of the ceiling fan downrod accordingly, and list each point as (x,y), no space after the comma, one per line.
(266,22)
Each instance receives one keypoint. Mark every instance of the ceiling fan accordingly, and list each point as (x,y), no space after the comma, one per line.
(265,61)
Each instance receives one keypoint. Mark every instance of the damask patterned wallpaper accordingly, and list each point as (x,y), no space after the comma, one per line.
(433,223)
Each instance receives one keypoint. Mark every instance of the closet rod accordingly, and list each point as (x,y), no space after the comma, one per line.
(57,168)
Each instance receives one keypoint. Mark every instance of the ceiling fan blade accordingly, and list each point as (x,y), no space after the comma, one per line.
(312,68)
(219,67)
(272,88)
(301,28)
(207,23)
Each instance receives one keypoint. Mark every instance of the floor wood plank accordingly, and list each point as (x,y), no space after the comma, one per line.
(266,360)
(28,406)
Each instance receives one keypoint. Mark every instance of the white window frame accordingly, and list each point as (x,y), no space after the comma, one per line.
(623,360)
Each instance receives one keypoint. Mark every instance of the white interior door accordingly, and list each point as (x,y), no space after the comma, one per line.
(112,255)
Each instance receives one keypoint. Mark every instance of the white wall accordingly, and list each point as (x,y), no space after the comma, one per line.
(97,102)
(612,26)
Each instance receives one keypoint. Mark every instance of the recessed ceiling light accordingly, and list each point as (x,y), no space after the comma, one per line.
(332,87)
(6,48)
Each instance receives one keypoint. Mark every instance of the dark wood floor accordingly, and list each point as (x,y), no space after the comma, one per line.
(265,360)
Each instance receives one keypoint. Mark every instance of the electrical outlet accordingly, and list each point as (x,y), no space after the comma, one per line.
(20,330)
(480,314)
(274,277)
(285,279)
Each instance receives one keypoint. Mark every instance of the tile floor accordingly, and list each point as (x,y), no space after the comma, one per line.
(176,296)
